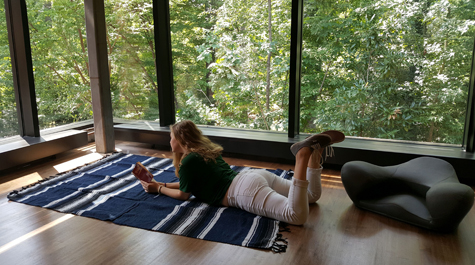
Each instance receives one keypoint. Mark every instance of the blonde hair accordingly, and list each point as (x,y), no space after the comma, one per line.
(188,135)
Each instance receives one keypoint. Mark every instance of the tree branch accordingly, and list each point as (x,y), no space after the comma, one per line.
(324,77)
(262,109)
(31,25)
(76,67)
(369,65)
(58,74)
(83,48)
(130,102)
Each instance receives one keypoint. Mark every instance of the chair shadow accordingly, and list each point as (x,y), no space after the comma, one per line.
(436,247)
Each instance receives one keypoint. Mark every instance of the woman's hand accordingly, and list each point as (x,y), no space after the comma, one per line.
(151,187)
(174,192)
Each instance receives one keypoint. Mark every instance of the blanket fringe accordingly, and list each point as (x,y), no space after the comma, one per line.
(280,244)
(83,167)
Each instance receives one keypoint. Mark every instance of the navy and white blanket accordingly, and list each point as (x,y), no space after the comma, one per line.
(107,190)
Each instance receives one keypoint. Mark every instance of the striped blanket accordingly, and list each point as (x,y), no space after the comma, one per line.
(107,190)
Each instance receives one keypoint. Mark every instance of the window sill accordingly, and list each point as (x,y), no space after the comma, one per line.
(274,146)
(22,150)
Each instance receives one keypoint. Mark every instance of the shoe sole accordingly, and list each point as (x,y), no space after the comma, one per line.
(322,139)
(337,136)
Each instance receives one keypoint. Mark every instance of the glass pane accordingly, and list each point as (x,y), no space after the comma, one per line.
(387,69)
(131,50)
(231,62)
(8,114)
(60,62)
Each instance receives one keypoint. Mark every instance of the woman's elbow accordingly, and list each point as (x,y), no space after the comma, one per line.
(184,196)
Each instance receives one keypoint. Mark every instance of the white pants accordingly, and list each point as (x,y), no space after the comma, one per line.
(263,193)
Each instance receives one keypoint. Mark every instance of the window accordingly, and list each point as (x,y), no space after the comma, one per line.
(231,62)
(387,69)
(131,48)
(8,115)
(60,61)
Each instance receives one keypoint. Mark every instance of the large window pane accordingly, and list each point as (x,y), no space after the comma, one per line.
(231,62)
(131,48)
(8,115)
(387,69)
(60,62)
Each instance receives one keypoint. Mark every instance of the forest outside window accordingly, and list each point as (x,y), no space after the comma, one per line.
(131,53)
(231,62)
(8,112)
(391,69)
(60,61)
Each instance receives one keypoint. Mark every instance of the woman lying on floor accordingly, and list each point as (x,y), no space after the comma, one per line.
(203,173)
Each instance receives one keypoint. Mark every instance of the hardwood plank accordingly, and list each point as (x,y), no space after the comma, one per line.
(337,232)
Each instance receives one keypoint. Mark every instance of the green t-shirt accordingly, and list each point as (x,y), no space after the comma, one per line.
(207,181)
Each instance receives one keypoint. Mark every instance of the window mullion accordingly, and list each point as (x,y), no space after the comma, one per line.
(469,134)
(22,67)
(295,67)
(164,63)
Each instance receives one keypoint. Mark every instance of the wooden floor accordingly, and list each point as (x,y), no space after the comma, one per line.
(336,233)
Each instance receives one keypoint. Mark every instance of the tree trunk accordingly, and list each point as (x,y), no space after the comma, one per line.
(269,54)
(209,91)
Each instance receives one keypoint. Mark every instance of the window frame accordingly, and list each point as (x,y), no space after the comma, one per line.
(372,148)
(22,68)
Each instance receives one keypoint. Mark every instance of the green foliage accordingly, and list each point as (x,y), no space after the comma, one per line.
(8,116)
(388,69)
(392,69)
(229,50)
(60,60)
(131,54)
